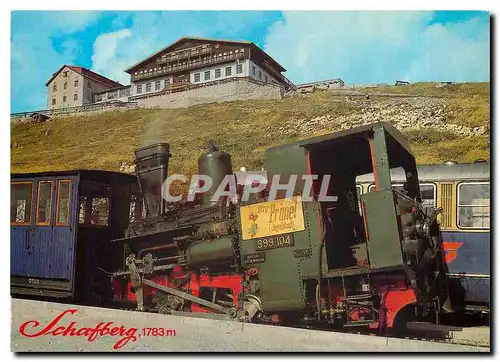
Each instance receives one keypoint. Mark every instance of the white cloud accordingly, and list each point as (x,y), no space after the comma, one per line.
(33,57)
(378,47)
(104,58)
(151,31)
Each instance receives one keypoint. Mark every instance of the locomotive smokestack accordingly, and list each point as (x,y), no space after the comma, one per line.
(151,167)
(217,165)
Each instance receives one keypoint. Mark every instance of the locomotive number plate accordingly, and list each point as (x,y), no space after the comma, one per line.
(273,242)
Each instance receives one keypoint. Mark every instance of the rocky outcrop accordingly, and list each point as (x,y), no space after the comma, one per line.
(408,114)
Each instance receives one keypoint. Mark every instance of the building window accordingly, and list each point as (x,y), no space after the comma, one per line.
(89,85)
(474,205)
(44,203)
(166,83)
(62,207)
(65,74)
(253,69)
(228,71)
(64,99)
(139,88)
(157,85)
(217,73)
(65,85)
(76,83)
(124,92)
(75,97)
(54,87)
(53,101)
(265,77)
(197,77)
(20,202)
(260,75)
(239,68)
(148,87)
(207,75)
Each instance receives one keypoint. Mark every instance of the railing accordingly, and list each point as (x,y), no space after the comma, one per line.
(124,88)
(189,65)
(185,54)
(189,86)
(91,107)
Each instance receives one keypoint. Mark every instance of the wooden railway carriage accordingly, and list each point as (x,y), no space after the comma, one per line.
(61,225)
(463,193)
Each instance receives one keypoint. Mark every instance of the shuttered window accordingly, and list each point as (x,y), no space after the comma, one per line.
(447,204)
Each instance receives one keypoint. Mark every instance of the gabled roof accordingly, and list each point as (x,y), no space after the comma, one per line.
(186,38)
(87,74)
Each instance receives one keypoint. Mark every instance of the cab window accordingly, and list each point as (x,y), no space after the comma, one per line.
(20,202)
(44,203)
(474,205)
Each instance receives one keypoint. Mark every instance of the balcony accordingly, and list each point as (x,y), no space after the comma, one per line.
(184,54)
(186,65)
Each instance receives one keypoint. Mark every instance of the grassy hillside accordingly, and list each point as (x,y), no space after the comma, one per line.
(247,128)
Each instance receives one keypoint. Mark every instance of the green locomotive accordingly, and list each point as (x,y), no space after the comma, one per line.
(307,250)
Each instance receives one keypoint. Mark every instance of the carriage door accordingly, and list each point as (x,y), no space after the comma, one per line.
(40,233)
(62,248)
(52,240)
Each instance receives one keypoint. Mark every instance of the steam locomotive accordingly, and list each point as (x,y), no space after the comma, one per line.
(373,260)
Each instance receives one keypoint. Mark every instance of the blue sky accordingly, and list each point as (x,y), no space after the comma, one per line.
(360,47)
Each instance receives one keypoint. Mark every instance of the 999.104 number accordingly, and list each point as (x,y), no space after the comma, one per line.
(272,242)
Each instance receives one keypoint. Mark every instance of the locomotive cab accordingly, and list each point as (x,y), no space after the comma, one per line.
(366,248)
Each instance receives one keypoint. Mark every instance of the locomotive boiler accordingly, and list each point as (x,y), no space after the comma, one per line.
(309,249)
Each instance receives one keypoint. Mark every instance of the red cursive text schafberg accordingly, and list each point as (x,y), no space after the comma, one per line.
(101,329)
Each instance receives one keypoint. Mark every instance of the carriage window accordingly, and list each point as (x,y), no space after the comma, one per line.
(44,203)
(474,205)
(131,210)
(427,193)
(100,211)
(82,209)
(133,213)
(20,202)
(62,213)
